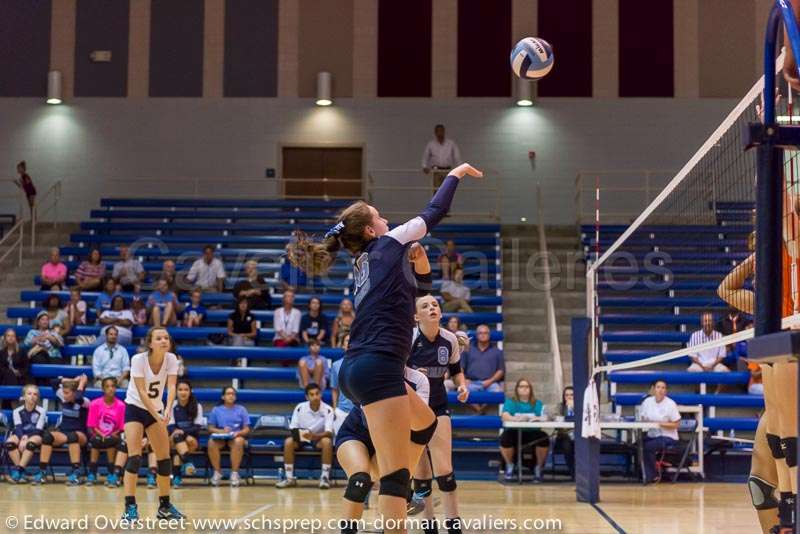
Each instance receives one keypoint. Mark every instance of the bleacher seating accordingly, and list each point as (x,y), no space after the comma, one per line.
(646,310)
(257,229)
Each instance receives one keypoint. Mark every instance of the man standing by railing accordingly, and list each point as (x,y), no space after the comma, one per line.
(440,155)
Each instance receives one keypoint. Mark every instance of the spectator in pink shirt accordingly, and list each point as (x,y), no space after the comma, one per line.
(54,272)
(105,422)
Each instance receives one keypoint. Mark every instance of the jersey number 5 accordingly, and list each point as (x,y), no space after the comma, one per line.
(152,390)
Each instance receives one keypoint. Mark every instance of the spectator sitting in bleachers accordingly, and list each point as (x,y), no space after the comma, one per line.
(454,325)
(103,301)
(754,385)
(162,305)
(342,323)
(185,422)
(229,425)
(43,343)
(455,294)
(120,317)
(314,324)
(312,427)
(291,276)
(194,313)
(58,317)
(76,308)
(287,322)
(565,439)
(14,363)
(91,272)
(734,321)
(341,404)
(70,430)
(139,311)
(242,325)
(708,359)
(128,272)
(661,409)
(450,260)
(520,407)
(208,272)
(27,426)
(105,423)
(483,365)
(54,272)
(170,274)
(253,287)
(111,360)
(313,367)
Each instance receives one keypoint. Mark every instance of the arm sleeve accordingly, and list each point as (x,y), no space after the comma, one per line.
(198,421)
(420,381)
(137,367)
(42,418)
(295,418)
(424,283)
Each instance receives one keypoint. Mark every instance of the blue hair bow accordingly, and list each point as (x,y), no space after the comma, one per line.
(335,230)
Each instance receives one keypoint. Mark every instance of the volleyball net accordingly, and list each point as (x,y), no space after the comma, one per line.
(689,255)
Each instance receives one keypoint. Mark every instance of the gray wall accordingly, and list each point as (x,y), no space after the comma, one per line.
(100,147)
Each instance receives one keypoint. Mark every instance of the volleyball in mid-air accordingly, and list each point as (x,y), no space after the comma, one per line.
(532,58)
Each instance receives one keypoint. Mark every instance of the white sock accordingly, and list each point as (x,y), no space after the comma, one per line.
(509,467)
(326,470)
(289,470)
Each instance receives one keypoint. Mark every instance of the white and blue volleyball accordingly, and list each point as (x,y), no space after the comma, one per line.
(532,58)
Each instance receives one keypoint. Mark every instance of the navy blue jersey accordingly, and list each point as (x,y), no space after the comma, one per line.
(433,359)
(180,418)
(27,423)
(386,286)
(73,414)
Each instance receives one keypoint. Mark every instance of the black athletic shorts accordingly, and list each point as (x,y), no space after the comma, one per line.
(509,437)
(441,409)
(104,442)
(354,429)
(138,415)
(371,378)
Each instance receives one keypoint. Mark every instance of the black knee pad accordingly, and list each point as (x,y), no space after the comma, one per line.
(10,446)
(358,487)
(72,437)
(762,493)
(422,437)
(774,443)
(789,448)
(133,464)
(447,482)
(122,447)
(396,484)
(423,487)
(31,446)
(164,467)
(179,438)
(47,438)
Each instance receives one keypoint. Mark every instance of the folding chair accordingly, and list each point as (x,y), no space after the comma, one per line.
(679,453)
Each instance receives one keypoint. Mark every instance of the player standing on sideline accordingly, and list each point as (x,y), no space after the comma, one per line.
(380,337)
(185,422)
(151,371)
(435,352)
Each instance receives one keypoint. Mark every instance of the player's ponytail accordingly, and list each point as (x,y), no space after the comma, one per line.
(316,257)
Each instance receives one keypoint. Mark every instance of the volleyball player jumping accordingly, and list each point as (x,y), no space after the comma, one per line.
(435,352)
(380,337)
(151,371)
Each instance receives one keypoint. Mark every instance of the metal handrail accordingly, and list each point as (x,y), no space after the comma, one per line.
(40,209)
(18,243)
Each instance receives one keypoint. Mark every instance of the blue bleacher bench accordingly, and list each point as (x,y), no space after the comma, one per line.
(630,318)
(231,214)
(721,399)
(622,356)
(619,229)
(441,229)
(745,424)
(661,302)
(646,336)
(678,377)
(224,203)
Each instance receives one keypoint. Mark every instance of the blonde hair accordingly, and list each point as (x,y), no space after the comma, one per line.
(316,257)
(28,387)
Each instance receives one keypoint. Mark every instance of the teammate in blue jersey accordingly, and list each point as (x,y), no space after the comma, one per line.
(380,337)
(436,352)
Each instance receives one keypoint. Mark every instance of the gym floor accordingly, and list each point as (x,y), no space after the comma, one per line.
(630,508)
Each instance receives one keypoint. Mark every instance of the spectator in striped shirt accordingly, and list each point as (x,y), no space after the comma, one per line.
(91,272)
(707,360)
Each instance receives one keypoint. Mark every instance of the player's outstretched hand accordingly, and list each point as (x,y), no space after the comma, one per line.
(466,169)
